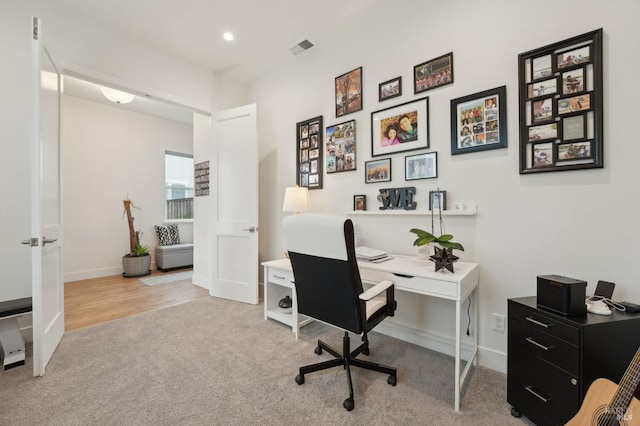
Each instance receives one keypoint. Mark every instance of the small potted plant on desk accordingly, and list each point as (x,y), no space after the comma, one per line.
(137,262)
(444,244)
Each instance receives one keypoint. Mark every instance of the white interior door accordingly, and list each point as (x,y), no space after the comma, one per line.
(235,247)
(46,228)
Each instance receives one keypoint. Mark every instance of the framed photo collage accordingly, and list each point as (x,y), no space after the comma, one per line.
(561,105)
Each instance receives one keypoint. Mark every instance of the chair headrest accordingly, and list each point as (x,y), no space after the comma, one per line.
(317,235)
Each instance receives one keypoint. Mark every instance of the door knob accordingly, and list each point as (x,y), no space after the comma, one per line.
(33,242)
(250,229)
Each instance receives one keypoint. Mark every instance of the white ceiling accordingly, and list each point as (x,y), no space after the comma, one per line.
(192,31)
(90,91)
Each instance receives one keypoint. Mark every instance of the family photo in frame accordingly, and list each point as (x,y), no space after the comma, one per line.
(377,171)
(478,121)
(421,166)
(341,147)
(403,127)
(309,153)
(434,73)
(359,203)
(390,89)
(561,105)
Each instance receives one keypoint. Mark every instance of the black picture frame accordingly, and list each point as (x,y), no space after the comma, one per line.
(409,117)
(434,73)
(543,110)
(340,147)
(390,89)
(421,166)
(349,86)
(570,72)
(574,128)
(574,104)
(309,153)
(437,200)
(359,203)
(479,121)
(378,170)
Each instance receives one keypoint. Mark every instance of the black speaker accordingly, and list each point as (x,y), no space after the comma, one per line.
(562,295)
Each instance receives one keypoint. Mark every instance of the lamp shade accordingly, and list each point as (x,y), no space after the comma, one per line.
(296,199)
(116,95)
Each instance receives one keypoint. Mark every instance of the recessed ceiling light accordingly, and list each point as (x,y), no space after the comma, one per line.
(227,36)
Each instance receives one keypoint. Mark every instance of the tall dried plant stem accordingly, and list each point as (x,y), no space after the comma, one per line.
(134,236)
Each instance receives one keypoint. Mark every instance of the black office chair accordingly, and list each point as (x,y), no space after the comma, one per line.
(329,289)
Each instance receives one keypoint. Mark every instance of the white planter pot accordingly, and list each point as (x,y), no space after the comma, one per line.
(423,252)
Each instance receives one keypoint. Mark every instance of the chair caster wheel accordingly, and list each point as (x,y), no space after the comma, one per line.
(318,350)
(392,380)
(299,379)
(348,404)
(515,413)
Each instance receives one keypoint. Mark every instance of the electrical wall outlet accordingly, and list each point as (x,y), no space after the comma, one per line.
(498,322)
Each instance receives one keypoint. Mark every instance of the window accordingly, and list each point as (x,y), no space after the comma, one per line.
(178,185)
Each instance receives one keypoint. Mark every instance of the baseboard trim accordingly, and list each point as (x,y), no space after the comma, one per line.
(96,273)
(488,358)
(92,273)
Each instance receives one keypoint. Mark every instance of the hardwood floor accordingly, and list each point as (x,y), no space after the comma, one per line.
(98,300)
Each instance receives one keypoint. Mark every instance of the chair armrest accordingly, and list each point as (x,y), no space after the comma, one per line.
(375,290)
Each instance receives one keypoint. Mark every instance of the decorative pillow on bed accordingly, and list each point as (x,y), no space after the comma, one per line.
(168,235)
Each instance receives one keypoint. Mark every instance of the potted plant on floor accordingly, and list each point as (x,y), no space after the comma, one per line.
(137,262)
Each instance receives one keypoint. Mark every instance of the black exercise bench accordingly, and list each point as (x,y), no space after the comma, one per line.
(10,338)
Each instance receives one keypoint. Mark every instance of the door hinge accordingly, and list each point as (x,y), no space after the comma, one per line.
(35,28)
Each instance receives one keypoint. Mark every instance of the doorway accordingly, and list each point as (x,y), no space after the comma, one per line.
(112,152)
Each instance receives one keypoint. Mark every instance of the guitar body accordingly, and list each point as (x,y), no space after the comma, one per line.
(595,409)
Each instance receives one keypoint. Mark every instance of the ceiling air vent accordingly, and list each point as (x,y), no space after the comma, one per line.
(301,47)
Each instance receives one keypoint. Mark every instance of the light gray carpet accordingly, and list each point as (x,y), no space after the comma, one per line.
(167,278)
(216,362)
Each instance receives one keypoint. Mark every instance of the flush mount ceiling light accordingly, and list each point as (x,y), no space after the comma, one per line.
(116,95)
(227,36)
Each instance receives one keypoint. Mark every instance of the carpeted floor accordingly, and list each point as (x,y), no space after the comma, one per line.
(216,362)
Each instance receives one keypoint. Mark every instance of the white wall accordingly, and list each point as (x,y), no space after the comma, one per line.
(80,44)
(580,224)
(109,153)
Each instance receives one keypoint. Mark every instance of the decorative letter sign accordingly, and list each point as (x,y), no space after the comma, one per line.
(397,198)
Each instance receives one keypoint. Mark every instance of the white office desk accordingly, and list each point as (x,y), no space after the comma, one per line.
(409,275)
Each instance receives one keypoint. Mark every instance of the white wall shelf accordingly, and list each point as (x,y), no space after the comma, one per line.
(471,211)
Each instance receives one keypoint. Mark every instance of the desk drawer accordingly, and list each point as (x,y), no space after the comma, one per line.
(281,276)
(543,322)
(546,389)
(422,285)
(548,347)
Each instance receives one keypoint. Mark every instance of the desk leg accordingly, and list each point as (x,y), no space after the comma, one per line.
(265,291)
(294,313)
(457,360)
(476,304)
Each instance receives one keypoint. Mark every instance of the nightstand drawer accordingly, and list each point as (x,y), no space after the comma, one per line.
(548,347)
(540,321)
(547,390)
(281,277)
